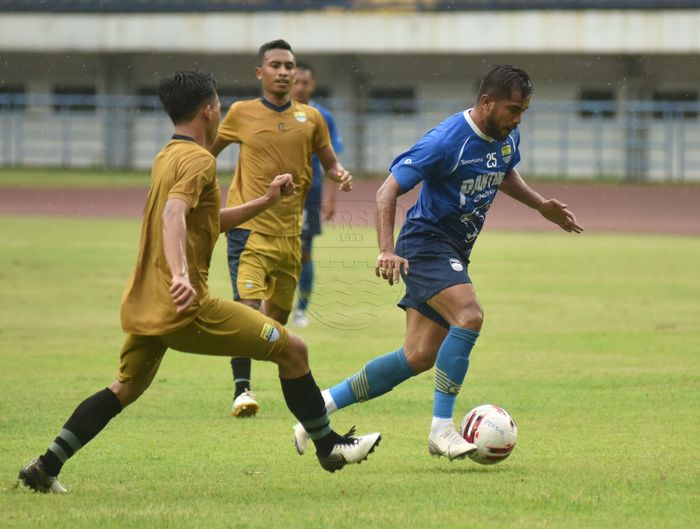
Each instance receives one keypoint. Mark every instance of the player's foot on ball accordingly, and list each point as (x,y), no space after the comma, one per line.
(450,444)
(300,319)
(33,476)
(245,405)
(301,439)
(349,449)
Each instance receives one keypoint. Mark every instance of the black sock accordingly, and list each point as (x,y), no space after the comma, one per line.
(88,419)
(304,400)
(241,373)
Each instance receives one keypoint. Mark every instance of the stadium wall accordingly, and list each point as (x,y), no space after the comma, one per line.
(431,62)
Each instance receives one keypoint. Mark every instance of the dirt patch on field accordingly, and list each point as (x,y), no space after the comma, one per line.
(599,207)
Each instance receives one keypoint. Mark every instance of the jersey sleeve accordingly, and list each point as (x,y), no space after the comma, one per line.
(229,129)
(321,137)
(426,160)
(193,175)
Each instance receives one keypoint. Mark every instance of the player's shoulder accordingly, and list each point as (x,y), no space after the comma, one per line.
(325,111)
(244,105)
(308,109)
(450,131)
(190,152)
(514,136)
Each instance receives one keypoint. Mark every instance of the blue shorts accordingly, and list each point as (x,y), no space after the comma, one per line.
(307,240)
(437,267)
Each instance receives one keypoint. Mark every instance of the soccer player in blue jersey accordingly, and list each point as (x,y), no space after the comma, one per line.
(317,207)
(462,163)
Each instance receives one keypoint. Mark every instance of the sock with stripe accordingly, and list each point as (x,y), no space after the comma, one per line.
(380,375)
(450,370)
(306,281)
(240,366)
(88,419)
(304,400)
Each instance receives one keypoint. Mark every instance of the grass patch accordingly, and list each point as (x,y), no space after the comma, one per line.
(592,343)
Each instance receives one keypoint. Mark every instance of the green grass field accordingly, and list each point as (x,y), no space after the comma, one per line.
(592,343)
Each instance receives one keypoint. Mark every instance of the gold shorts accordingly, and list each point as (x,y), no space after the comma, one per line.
(221,328)
(264,267)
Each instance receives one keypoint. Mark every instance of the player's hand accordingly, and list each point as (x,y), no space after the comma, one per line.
(344,179)
(281,186)
(182,292)
(558,213)
(389,265)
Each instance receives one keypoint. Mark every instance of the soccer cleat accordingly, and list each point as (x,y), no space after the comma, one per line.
(349,449)
(300,318)
(245,405)
(301,438)
(450,444)
(33,476)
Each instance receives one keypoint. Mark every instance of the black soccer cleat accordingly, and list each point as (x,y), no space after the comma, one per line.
(33,476)
(349,449)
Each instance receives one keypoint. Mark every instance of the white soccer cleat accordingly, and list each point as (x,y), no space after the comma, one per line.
(245,405)
(349,449)
(450,444)
(301,439)
(300,318)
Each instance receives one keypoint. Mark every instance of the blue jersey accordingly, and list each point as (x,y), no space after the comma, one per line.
(315,192)
(461,168)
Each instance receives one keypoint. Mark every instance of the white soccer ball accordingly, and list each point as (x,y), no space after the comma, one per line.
(492,430)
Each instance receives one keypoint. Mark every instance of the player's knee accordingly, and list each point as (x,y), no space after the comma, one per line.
(421,358)
(471,317)
(127,392)
(295,355)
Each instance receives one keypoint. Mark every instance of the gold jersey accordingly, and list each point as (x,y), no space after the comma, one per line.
(273,141)
(186,171)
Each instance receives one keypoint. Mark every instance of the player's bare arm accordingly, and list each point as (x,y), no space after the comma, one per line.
(551,209)
(281,185)
(388,265)
(328,204)
(217,146)
(174,246)
(334,169)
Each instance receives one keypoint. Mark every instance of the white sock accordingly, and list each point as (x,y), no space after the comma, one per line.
(439,424)
(330,403)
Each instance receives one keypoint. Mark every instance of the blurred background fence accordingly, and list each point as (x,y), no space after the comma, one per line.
(634,140)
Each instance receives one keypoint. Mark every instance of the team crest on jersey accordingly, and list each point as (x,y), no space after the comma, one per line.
(269,333)
(456,265)
(300,116)
(506,152)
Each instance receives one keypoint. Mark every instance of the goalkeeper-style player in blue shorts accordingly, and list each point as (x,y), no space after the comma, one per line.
(462,163)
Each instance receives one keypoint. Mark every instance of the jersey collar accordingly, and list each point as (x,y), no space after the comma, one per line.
(275,107)
(476,129)
(182,137)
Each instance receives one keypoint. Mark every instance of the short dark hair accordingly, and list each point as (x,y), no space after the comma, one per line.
(502,80)
(278,44)
(306,67)
(183,93)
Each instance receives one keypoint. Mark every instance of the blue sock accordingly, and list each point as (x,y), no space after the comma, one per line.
(380,375)
(451,368)
(306,282)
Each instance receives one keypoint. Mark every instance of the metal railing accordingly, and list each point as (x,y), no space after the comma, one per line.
(644,140)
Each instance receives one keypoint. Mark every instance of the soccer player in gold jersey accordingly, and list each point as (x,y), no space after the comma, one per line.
(276,135)
(167,302)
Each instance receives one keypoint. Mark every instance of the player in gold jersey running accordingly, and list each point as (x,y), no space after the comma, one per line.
(276,135)
(167,302)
